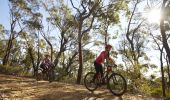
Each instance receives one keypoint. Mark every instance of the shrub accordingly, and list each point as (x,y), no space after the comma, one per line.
(12,70)
(156,92)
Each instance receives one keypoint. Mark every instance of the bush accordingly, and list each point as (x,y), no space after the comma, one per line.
(156,92)
(145,88)
(12,70)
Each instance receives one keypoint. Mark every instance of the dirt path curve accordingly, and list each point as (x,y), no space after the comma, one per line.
(17,88)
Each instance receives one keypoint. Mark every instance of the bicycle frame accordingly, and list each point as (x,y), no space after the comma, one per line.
(107,71)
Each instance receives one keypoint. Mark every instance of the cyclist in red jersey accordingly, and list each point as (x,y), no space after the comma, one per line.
(100,59)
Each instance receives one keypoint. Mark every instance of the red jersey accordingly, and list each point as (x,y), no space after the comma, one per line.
(103,55)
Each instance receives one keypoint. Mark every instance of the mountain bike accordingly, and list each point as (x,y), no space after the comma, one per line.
(46,74)
(115,82)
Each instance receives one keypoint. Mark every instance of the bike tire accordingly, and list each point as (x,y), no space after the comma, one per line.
(88,81)
(51,76)
(38,75)
(117,84)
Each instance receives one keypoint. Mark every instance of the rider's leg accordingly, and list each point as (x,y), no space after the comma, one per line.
(97,68)
(101,72)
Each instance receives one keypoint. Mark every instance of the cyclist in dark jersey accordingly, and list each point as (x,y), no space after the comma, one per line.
(46,63)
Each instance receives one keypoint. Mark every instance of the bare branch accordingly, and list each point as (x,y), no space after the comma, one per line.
(74,6)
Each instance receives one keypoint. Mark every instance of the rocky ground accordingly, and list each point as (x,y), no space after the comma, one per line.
(19,88)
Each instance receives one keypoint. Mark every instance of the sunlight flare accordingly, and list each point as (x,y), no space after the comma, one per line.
(154,16)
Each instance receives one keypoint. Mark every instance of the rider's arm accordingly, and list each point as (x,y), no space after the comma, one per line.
(103,56)
(111,60)
(43,61)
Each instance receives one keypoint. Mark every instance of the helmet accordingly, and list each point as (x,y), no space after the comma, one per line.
(108,46)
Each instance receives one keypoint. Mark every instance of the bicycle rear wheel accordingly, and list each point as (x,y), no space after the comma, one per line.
(117,84)
(51,76)
(89,83)
(39,75)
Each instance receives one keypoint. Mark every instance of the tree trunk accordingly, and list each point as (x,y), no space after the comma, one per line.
(80,70)
(32,61)
(8,50)
(168,71)
(164,40)
(162,29)
(165,43)
(162,72)
(62,49)
(168,76)
(6,57)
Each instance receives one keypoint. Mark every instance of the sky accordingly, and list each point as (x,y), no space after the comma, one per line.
(4,13)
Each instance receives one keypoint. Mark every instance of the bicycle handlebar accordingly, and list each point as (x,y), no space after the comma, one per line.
(112,65)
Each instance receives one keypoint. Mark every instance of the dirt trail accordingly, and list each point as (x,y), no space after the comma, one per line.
(17,88)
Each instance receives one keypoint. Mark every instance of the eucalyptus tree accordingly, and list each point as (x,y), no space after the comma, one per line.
(61,20)
(27,20)
(163,30)
(165,17)
(87,13)
(134,44)
(59,17)
(33,21)
(110,17)
(163,38)
(46,37)
(14,18)
(157,39)
(133,37)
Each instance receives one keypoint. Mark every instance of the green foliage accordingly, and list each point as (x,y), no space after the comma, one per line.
(156,92)
(86,38)
(1,29)
(27,60)
(68,79)
(145,87)
(88,55)
(167,12)
(34,24)
(62,75)
(23,35)
(42,44)
(13,70)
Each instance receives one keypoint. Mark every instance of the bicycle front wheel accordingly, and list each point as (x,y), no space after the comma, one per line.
(51,75)
(89,83)
(117,84)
